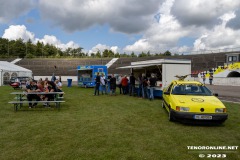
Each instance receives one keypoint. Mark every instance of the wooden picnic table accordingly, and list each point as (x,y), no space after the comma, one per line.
(20,100)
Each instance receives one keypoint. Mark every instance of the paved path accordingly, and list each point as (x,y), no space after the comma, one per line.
(226,93)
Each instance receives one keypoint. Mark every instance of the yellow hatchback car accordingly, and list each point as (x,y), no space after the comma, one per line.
(192,100)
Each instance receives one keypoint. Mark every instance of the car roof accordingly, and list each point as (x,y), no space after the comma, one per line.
(187,82)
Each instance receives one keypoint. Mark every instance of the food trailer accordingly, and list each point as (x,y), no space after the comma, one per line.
(165,71)
(87,74)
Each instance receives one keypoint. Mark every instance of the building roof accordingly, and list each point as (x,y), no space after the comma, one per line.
(156,62)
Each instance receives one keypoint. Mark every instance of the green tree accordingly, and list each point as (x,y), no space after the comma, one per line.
(133,54)
(39,49)
(117,55)
(105,53)
(124,55)
(30,48)
(98,54)
(167,53)
(19,48)
(142,54)
(92,55)
(4,47)
(148,54)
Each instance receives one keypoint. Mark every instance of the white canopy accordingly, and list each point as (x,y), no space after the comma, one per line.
(7,66)
(8,70)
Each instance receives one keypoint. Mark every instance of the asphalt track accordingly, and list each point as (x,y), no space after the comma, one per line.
(226,93)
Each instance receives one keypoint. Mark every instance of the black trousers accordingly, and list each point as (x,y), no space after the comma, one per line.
(30,97)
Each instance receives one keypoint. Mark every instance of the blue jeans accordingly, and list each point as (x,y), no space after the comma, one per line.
(139,90)
(104,89)
(131,89)
(151,89)
(210,81)
(113,91)
(145,92)
(97,88)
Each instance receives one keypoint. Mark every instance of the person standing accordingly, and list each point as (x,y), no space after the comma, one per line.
(140,85)
(124,84)
(103,84)
(152,84)
(210,79)
(113,85)
(204,78)
(53,79)
(119,83)
(60,79)
(132,85)
(97,84)
(144,86)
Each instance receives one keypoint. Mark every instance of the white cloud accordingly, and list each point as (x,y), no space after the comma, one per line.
(18,31)
(47,39)
(219,37)
(10,9)
(162,35)
(115,49)
(202,20)
(214,24)
(127,16)
(202,12)
(141,45)
(102,47)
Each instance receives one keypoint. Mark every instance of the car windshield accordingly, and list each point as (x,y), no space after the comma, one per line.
(191,89)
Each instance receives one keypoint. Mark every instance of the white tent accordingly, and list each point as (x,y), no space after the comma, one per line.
(9,70)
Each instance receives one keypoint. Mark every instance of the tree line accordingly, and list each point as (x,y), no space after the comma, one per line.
(21,49)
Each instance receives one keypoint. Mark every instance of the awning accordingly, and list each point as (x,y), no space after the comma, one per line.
(139,66)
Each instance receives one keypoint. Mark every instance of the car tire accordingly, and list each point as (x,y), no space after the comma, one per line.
(170,116)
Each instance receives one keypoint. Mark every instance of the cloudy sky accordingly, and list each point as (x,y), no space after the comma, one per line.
(124,25)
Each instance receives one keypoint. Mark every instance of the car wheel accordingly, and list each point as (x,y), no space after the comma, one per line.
(163,106)
(170,116)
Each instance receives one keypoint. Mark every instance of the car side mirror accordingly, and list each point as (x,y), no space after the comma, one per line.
(167,93)
(215,94)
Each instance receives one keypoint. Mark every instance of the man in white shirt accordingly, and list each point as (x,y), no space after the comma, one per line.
(103,84)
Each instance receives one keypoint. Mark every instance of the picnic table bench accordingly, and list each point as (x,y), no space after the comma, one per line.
(19,100)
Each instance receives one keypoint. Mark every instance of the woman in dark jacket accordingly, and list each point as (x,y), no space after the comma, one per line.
(113,85)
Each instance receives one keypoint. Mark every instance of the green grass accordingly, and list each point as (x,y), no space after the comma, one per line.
(106,127)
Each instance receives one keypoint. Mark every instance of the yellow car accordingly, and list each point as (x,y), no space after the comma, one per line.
(192,100)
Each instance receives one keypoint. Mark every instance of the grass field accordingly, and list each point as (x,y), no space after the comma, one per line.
(107,127)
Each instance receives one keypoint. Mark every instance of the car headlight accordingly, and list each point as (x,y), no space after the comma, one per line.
(220,110)
(182,109)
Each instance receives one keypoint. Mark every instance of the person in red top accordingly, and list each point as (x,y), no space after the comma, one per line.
(124,84)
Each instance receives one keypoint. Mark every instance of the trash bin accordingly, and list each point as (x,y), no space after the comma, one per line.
(69,82)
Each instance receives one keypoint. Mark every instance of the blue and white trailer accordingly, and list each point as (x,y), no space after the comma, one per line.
(87,74)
